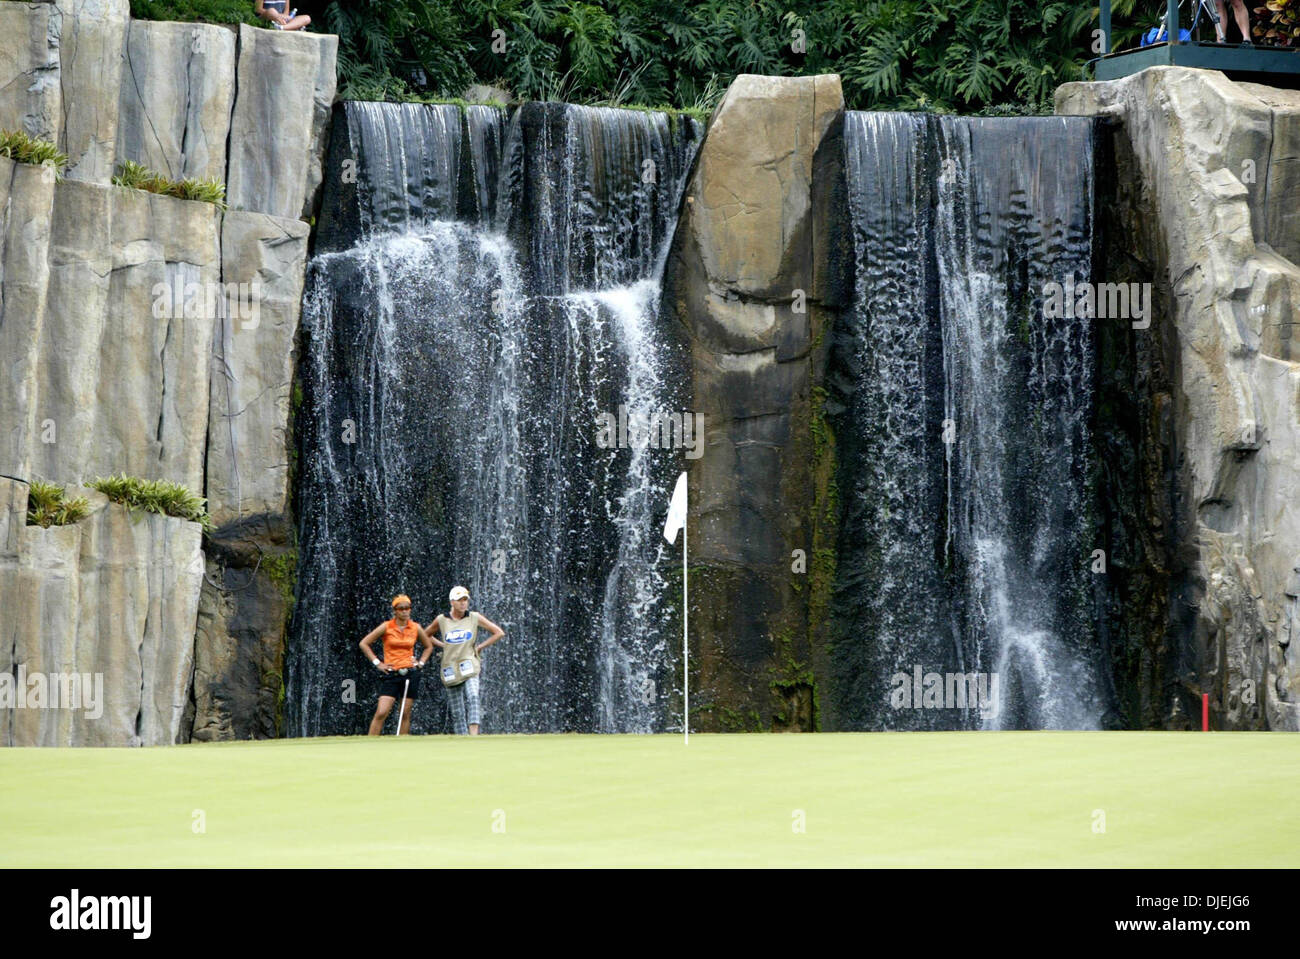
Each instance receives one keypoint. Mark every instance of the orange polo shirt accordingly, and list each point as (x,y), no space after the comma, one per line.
(399,644)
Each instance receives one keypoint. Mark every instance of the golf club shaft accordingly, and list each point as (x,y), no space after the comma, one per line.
(402,709)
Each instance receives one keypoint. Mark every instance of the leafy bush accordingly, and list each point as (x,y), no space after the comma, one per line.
(139,177)
(156,496)
(1278,22)
(391,50)
(17,145)
(948,55)
(892,54)
(48,505)
(206,11)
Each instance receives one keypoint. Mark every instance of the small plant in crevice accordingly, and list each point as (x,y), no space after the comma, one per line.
(48,505)
(23,148)
(156,496)
(137,176)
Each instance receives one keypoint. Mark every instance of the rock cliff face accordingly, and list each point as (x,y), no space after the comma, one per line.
(751,277)
(105,88)
(1209,172)
(101,376)
(154,336)
(114,595)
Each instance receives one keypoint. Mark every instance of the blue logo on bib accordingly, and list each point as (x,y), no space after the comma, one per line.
(459,635)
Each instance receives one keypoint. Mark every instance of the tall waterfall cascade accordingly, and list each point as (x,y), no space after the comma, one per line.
(966,468)
(488,289)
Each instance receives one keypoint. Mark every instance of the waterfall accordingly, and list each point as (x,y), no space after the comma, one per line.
(488,286)
(396,168)
(966,468)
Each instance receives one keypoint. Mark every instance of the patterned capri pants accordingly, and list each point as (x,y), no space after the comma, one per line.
(465,709)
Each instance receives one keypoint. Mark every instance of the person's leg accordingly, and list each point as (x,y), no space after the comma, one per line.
(381,713)
(298,23)
(1243,19)
(475,712)
(1221,28)
(456,700)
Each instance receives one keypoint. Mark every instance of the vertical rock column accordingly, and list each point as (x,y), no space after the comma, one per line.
(278,133)
(754,279)
(176,97)
(239,654)
(59,78)
(111,599)
(1213,221)
(97,380)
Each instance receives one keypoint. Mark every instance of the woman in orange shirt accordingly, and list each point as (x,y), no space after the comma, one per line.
(399,666)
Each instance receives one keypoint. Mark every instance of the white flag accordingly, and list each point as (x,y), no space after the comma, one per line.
(676,511)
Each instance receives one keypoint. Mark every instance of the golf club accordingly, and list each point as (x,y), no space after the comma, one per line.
(402,708)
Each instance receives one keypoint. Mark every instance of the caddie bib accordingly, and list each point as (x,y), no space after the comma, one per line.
(459,660)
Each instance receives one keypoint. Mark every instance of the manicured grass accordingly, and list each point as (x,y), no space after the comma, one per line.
(882,799)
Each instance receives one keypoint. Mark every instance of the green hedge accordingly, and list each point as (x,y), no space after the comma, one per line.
(204,11)
(946,55)
(949,55)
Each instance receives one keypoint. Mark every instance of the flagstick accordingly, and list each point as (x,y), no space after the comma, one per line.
(686,664)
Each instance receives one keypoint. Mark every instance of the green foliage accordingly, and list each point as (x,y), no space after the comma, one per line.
(139,177)
(206,191)
(736,721)
(156,496)
(283,571)
(823,437)
(48,505)
(962,55)
(943,55)
(18,146)
(206,11)
(393,50)
(1277,22)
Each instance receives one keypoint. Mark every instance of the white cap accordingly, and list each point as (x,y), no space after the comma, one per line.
(458,592)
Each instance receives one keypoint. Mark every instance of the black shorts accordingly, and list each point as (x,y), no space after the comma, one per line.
(392,683)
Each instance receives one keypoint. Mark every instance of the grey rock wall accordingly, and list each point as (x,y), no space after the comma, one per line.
(105,370)
(101,384)
(176,98)
(749,278)
(105,88)
(123,389)
(276,152)
(252,370)
(1218,223)
(113,598)
(59,77)
(31,98)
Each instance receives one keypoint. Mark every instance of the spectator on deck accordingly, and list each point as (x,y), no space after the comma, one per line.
(1243,20)
(273,10)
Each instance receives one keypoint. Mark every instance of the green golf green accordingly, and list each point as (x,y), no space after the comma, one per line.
(868,799)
